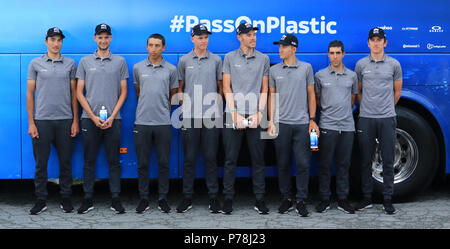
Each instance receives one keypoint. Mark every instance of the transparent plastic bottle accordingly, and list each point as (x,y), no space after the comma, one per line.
(103,114)
(314,140)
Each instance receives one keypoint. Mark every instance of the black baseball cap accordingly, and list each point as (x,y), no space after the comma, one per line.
(200,29)
(245,27)
(53,32)
(288,39)
(103,28)
(377,32)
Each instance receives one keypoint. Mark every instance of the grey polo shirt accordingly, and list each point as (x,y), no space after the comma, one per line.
(291,84)
(155,82)
(246,78)
(378,86)
(53,95)
(102,81)
(203,73)
(336,89)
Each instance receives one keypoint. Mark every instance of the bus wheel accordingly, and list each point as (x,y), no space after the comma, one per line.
(416,156)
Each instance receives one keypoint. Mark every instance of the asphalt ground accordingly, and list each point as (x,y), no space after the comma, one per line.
(427,210)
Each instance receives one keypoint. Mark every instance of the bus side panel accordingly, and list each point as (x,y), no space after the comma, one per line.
(10,112)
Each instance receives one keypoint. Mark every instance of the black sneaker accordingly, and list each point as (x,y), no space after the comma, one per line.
(117,207)
(214,206)
(39,207)
(227,206)
(143,206)
(286,206)
(185,205)
(345,207)
(365,204)
(323,206)
(86,206)
(388,207)
(260,207)
(163,206)
(66,205)
(301,209)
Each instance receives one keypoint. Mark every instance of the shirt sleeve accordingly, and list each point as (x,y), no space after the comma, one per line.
(219,67)
(81,73)
(226,65)
(317,84)
(124,70)
(355,86)
(266,65)
(272,82)
(181,70)
(136,75)
(309,75)
(358,71)
(397,72)
(174,79)
(73,71)
(32,73)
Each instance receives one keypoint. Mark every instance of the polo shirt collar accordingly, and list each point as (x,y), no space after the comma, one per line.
(196,56)
(331,71)
(296,64)
(161,64)
(98,56)
(241,53)
(46,58)
(383,59)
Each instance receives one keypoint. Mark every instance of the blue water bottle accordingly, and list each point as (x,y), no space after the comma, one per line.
(103,114)
(314,140)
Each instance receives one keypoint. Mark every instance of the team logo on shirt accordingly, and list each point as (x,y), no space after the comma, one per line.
(190,67)
(92,69)
(279,77)
(237,65)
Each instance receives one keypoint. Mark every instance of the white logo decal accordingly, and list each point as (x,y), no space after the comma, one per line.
(386,27)
(410,28)
(411,46)
(436,29)
(431,46)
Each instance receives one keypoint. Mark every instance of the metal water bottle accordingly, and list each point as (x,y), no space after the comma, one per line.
(314,140)
(103,114)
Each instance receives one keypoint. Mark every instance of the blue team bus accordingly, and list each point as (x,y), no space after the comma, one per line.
(418,34)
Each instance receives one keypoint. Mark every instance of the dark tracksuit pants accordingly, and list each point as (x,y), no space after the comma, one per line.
(384,130)
(208,140)
(92,137)
(335,145)
(58,133)
(293,138)
(232,140)
(161,137)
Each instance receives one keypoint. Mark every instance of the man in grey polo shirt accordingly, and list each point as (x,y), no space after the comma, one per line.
(104,77)
(200,78)
(245,86)
(336,89)
(52,117)
(156,81)
(293,81)
(380,85)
